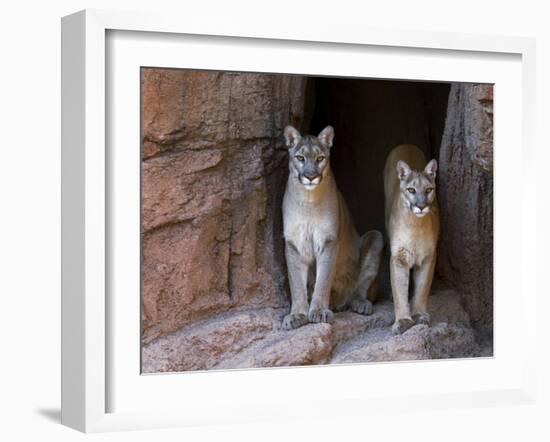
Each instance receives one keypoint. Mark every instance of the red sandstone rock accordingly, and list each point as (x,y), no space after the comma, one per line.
(465,195)
(253,338)
(212,160)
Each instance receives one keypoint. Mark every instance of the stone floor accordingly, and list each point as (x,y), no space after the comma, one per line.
(253,338)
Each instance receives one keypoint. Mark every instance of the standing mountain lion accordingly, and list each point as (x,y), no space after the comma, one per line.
(412,223)
(328,263)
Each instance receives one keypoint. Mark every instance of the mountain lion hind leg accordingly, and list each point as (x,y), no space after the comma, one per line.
(369,263)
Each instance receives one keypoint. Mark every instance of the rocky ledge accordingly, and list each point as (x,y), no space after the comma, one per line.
(254,338)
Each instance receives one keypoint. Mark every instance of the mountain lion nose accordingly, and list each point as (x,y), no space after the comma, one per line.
(311,177)
(421,206)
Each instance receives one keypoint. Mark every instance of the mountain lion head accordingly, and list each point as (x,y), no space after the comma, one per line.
(417,188)
(308,155)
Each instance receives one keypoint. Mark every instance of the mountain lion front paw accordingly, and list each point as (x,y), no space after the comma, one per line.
(320,315)
(400,326)
(361,307)
(422,318)
(294,320)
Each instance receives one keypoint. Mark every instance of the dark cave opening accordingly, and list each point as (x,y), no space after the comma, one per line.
(370,117)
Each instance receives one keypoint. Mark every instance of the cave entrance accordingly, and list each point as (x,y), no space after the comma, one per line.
(370,117)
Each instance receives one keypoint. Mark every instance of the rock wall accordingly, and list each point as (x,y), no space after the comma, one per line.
(465,192)
(213,173)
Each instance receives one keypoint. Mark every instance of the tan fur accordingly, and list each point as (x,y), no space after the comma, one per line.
(324,252)
(413,240)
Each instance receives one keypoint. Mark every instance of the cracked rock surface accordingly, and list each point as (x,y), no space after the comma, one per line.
(212,165)
(254,338)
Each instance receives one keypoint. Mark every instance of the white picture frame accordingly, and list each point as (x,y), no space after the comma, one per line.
(87,319)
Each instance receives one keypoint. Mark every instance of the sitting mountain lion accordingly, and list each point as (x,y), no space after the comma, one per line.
(324,254)
(412,223)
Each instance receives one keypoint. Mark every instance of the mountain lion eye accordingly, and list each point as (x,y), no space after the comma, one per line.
(411,190)
(300,158)
(429,190)
(321,158)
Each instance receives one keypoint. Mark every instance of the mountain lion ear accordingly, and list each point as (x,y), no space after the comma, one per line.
(292,137)
(431,169)
(403,170)
(326,136)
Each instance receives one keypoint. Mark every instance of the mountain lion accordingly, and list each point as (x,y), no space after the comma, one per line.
(328,263)
(412,223)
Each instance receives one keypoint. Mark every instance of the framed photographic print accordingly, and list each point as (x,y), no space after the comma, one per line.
(250,212)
